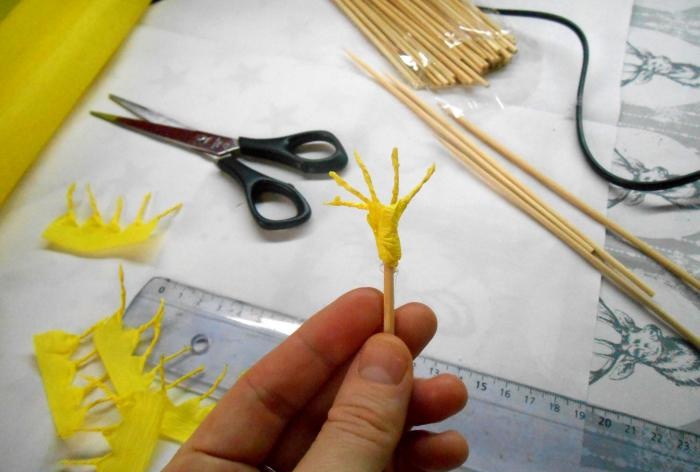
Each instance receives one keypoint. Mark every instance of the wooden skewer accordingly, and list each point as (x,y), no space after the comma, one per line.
(467,155)
(445,130)
(577,202)
(520,189)
(608,272)
(513,198)
(590,256)
(482,159)
(389,317)
(516,200)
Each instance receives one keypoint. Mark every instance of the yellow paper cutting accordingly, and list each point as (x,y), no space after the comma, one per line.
(54,352)
(94,235)
(384,221)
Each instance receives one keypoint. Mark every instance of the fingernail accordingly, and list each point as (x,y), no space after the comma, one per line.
(382,361)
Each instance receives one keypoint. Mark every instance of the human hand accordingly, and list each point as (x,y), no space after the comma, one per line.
(321,400)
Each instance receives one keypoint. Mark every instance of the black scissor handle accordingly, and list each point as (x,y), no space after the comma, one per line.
(283,149)
(255,184)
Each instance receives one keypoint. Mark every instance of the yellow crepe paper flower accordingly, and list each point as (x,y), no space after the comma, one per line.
(382,218)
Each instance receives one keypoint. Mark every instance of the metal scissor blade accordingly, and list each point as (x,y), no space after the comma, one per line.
(191,139)
(146,113)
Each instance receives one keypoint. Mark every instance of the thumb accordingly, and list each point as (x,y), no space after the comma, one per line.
(366,420)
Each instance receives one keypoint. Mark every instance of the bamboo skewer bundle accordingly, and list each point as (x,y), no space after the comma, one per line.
(517,193)
(433,43)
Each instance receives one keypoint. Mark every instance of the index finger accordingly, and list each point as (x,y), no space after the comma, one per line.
(247,421)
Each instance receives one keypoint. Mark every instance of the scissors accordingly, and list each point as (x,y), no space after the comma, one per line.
(225,153)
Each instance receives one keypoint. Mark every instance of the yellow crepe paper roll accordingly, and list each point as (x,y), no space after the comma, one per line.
(6,6)
(50,51)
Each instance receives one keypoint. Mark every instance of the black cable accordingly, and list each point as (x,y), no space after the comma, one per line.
(597,167)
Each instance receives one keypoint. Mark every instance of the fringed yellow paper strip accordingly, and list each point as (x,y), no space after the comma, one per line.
(146,411)
(180,421)
(146,416)
(384,221)
(116,343)
(94,235)
(134,438)
(54,352)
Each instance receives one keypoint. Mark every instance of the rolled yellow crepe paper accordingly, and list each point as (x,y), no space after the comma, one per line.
(6,6)
(50,51)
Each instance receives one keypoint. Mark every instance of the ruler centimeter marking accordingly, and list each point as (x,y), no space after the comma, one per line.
(509,424)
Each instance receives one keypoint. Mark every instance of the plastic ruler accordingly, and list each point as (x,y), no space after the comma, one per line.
(510,426)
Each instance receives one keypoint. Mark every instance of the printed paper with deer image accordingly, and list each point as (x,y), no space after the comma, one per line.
(642,368)
(669,355)
(639,366)
(660,112)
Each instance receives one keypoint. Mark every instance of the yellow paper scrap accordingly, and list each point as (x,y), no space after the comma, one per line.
(383,219)
(95,235)
(50,51)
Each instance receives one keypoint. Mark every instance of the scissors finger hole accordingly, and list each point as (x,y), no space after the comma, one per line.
(275,206)
(315,150)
